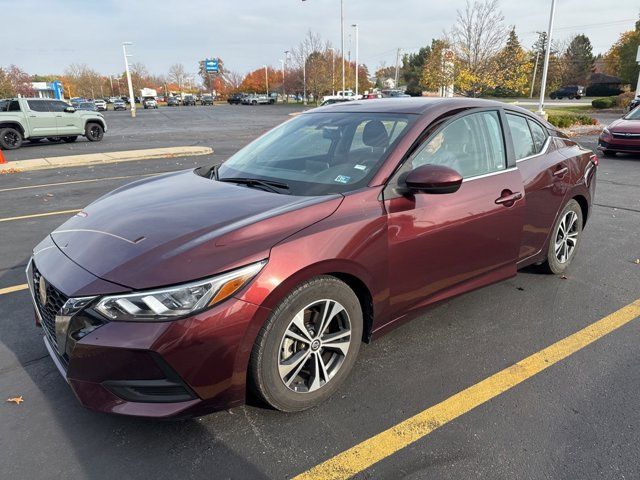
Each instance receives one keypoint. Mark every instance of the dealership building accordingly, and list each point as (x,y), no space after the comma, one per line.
(49,89)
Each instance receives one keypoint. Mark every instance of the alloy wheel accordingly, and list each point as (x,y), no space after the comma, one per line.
(314,346)
(12,138)
(566,237)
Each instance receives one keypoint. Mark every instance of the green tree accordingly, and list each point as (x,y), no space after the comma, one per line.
(412,67)
(513,68)
(578,58)
(434,75)
(620,60)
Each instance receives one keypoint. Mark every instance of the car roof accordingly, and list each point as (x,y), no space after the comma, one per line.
(412,105)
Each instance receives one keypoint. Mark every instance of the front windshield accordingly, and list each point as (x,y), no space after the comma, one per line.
(633,114)
(320,153)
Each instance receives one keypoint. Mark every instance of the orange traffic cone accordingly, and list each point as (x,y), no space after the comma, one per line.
(2,159)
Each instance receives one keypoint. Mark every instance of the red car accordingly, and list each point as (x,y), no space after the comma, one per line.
(371,95)
(176,295)
(622,136)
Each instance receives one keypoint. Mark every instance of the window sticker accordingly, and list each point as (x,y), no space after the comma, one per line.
(342,179)
(360,167)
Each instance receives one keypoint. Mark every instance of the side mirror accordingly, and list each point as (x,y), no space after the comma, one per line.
(69,109)
(434,179)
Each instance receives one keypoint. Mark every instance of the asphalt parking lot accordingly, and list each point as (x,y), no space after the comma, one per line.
(579,418)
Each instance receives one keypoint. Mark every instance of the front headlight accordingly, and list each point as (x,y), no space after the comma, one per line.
(173,302)
(606,132)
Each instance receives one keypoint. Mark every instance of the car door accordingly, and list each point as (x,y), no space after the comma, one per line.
(41,119)
(545,176)
(440,245)
(68,123)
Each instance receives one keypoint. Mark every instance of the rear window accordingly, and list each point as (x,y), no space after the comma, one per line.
(9,106)
(522,139)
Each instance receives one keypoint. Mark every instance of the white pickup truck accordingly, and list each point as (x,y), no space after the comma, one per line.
(36,118)
(341,96)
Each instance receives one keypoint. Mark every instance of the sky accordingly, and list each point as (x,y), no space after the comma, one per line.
(48,35)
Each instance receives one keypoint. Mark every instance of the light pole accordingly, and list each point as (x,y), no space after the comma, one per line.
(132,98)
(283,93)
(355,25)
(266,79)
(286,57)
(333,71)
(304,75)
(545,68)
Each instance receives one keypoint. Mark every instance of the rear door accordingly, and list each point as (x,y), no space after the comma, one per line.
(440,245)
(545,175)
(41,119)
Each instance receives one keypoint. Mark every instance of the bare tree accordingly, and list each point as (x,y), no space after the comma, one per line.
(177,74)
(476,38)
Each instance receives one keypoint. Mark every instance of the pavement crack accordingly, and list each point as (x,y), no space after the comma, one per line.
(24,364)
(613,207)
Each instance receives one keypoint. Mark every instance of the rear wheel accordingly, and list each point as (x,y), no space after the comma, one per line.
(308,346)
(10,138)
(70,139)
(94,132)
(565,239)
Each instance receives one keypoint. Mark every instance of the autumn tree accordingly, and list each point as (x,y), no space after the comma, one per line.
(578,59)
(82,81)
(476,38)
(434,75)
(6,89)
(620,60)
(512,68)
(556,71)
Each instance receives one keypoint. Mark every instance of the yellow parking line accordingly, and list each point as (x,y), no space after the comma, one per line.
(72,182)
(36,215)
(365,454)
(15,288)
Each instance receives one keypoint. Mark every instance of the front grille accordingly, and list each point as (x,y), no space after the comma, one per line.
(625,136)
(54,302)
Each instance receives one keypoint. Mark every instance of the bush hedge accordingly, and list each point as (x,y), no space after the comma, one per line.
(600,90)
(568,120)
(605,102)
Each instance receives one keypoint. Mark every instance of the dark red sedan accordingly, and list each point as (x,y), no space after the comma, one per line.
(622,136)
(178,294)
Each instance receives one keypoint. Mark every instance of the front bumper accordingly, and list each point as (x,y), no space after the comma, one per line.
(152,369)
(619,145)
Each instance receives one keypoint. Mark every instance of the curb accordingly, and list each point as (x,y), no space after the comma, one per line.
(101,158)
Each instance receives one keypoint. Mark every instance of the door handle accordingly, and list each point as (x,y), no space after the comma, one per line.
(509,199)
(561,172)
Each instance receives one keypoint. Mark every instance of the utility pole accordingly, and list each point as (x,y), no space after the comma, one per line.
(111,82)
(266,78)
(535,71)
(355,25)
(283,93)
(397,68)
(342,40)
(286,57)
(132,98)
(333,72)
(304,76)
(545,69)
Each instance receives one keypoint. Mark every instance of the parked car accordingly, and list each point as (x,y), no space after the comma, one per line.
(570,91)
(100,105)
(36,118)
(634,103)
(149,103)
(622,136)
(257,99)
(119,105)
(340,96)
(87,106)
(393,93)
(189,100)
(113,99)
(372,95)
(207,100)
(173,102)
(236,98)
(331,101)
(267,272)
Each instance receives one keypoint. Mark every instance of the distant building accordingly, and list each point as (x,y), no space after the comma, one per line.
(601,84)
(49,89)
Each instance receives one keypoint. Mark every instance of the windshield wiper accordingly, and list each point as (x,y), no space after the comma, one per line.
(269,185)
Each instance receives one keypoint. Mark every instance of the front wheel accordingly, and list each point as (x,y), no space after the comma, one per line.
(308,345)
(10,138)
(565,239)
(94,132)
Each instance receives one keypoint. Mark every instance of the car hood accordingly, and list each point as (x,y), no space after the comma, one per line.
(180,227)
(625,126)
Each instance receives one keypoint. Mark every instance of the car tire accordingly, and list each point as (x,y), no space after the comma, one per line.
(578,97)
(565,239)
(10,138)
(70,139)
(54,139)
(94,132)
(319,368)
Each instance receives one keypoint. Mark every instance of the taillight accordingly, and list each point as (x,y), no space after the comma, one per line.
(594,159)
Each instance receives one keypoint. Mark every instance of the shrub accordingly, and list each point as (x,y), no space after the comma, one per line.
(602,90)
(606,102)
(624,99)
(568,120)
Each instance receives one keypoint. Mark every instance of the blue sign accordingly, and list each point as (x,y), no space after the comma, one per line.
(211,65)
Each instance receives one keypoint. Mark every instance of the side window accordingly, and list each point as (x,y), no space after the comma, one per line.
(393,129)
(539,135)
(14,106)
(38,105)
(57,106)
(472,145)
(521,135)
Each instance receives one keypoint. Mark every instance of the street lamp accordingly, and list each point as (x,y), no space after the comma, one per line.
(132,99)
(283,93)
(545,69)
(355,25)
